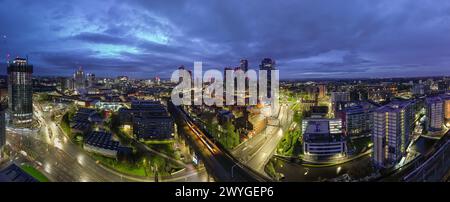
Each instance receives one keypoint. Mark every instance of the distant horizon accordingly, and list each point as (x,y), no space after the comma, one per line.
(281,79)
(86,70)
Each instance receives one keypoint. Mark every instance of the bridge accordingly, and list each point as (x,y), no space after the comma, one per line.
(434,166)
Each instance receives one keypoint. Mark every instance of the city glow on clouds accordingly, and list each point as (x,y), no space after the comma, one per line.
(308,38)
(156,38)
(109,50)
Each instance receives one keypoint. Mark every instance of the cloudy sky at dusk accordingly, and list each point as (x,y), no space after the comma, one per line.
(308,39)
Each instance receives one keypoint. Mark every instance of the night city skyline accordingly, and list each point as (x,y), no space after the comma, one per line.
(308,39)
(225,99)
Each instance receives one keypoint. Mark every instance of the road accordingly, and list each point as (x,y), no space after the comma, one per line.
(44,119)
(56,164)
(258,150)
(76,166)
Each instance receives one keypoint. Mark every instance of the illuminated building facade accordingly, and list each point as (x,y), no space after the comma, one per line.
(79,81)
(322,90)
(393,126)
(358,118)
(435,113)
(338,100)
(20,91)
(268,65)
(243,65)
(322,138)
(446,99)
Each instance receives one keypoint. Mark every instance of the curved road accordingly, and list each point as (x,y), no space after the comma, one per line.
(61,160)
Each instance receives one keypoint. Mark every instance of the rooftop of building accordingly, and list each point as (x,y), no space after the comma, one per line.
(19,60)
(140,117)
(224,112)
(319,126)
(78,117)
(356,107)
(322,119)
(86,111)
(14,173)
(319,109)
(445,96)
(438,98)
(102,139)
(81,125)
(395,106)
(319,131)
(145,103)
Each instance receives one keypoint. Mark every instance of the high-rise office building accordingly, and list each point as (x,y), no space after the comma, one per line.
(312,91)
(446,99)
(340,96)
(69,84)
(180,75)
(338,100)
(443,85)
(150,120)
(358,94)
(322,90)
(420,89)
(226,70)
(323,138)
(80,80)
(90,80)
(244,65)
(435,113)
(268,65)
(393,126)
(357,118)
(20,91)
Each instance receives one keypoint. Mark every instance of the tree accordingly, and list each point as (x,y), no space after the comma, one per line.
(231,137)
(44,97)
(71,112)
(298,117)
(157,162)
(114,122)
(290,143)
(243,125)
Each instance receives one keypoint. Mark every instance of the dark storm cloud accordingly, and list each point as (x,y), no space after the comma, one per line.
(307,38)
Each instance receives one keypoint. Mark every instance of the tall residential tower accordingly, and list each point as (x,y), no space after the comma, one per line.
(393,126)
(435,113)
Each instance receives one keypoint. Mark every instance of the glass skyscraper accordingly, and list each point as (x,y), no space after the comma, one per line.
(20,89)
(268,65)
